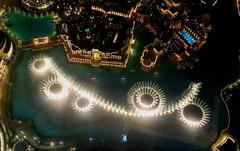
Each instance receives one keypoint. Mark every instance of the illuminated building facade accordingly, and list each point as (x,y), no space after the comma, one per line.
(97,58)
(125,9)
(38,4)
(98,39)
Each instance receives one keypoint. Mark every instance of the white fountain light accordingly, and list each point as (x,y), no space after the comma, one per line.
(40,64)
(82,104)
(190,96)
(192,121)
(55,89)
(146,98)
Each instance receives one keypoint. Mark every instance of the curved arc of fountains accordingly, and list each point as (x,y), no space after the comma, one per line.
(190,96)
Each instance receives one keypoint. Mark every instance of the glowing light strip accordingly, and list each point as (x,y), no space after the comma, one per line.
(215,2)
(1,12)
(189,97)
(39,6)
(2,142)
(221,141)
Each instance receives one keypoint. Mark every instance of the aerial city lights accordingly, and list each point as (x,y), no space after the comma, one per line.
(126,75)
(146,98)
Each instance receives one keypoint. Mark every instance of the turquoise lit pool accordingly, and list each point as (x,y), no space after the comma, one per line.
(25,27)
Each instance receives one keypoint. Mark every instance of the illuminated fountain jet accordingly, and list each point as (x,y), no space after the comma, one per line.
(40,64)
(146,98)
(55,89)
(82,104)
(195,114)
